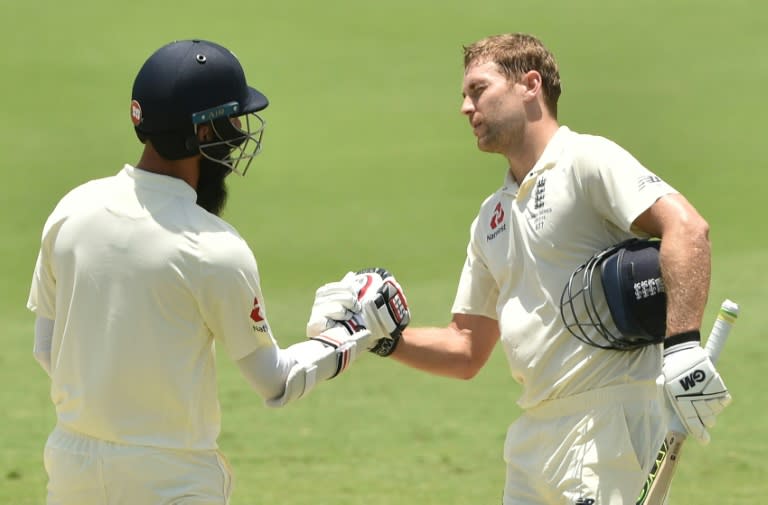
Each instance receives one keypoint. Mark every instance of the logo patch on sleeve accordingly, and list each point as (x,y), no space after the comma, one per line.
(257,316)
(645,180)
(256,312)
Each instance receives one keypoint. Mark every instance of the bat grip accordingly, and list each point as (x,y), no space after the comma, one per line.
(726,316)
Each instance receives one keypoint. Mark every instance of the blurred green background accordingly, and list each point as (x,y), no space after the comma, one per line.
(367,161)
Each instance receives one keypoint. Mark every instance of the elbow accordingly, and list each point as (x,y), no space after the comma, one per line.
(698,229)
(690,228)
(704,232)
(698,237)
(468,369)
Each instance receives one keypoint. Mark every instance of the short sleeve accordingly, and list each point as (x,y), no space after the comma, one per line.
(618,185)
(42,299)
(231,300)
(42,292)
(477,292)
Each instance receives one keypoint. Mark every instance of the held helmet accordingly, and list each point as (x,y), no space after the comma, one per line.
(632,288)
(190,83)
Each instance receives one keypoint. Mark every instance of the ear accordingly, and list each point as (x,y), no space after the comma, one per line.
(204,133)
(532,82)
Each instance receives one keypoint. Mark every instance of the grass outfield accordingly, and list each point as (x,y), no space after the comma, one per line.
(367,161)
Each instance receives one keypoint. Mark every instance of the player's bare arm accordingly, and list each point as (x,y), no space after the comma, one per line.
(684,258)
(458,350)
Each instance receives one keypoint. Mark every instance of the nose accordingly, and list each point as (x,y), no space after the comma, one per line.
(467,106)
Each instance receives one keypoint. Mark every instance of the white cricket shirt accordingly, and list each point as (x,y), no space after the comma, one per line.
(140,281)
(581,196)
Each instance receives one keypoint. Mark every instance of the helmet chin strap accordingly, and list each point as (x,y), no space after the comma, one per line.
(192,145)
(171,145)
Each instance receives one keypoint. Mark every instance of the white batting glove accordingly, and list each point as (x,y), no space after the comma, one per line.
(694,388)
(335,301)
(379,305)
(385,312)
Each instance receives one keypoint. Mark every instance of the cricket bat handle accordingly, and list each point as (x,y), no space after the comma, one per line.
(657,485)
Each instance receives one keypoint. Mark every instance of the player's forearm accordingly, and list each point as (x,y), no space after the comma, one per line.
(266,370)
(274,372)
(685,258)
(440,351)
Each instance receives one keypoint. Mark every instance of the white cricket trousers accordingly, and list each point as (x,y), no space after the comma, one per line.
(88,471)
(593,448)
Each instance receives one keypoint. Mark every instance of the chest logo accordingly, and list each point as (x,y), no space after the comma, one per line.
(538,215)
(541,186)
(498,216)
(497,222)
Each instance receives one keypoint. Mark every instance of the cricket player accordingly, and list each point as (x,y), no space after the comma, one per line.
(593,417)
(136,280)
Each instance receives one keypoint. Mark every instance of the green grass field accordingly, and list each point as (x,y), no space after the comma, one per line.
(367,161)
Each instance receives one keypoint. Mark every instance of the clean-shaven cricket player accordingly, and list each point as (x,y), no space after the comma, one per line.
(593,418)
(137,278)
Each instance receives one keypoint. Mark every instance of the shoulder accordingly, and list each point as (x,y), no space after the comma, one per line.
(595,151)
(86,192)
(491,202)
(220,245)
(78,199)
(588,148)
(491,199)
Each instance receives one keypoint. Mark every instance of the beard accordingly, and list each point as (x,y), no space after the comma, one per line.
(501,138)
(211,187)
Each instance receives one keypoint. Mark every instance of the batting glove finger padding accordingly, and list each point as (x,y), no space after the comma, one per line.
(335,301)
(370,298)
(385,309)
(694,388)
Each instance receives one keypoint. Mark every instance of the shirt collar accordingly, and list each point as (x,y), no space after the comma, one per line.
(548,159)
(510,184)
(159,182)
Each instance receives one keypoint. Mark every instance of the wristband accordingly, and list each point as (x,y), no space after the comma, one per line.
(682,338)
(386,346)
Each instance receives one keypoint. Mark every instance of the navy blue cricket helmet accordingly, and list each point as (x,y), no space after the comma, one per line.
(630,285)
(189,83)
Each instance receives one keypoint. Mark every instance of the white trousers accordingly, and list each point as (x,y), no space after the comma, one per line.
(88,471)
(591,448)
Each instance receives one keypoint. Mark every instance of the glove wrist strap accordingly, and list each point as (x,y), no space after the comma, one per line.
(682,338)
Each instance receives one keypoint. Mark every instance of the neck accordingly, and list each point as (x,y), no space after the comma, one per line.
(186,169)
(523,156)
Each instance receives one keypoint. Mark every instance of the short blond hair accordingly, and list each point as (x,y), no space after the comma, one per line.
(516,54)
